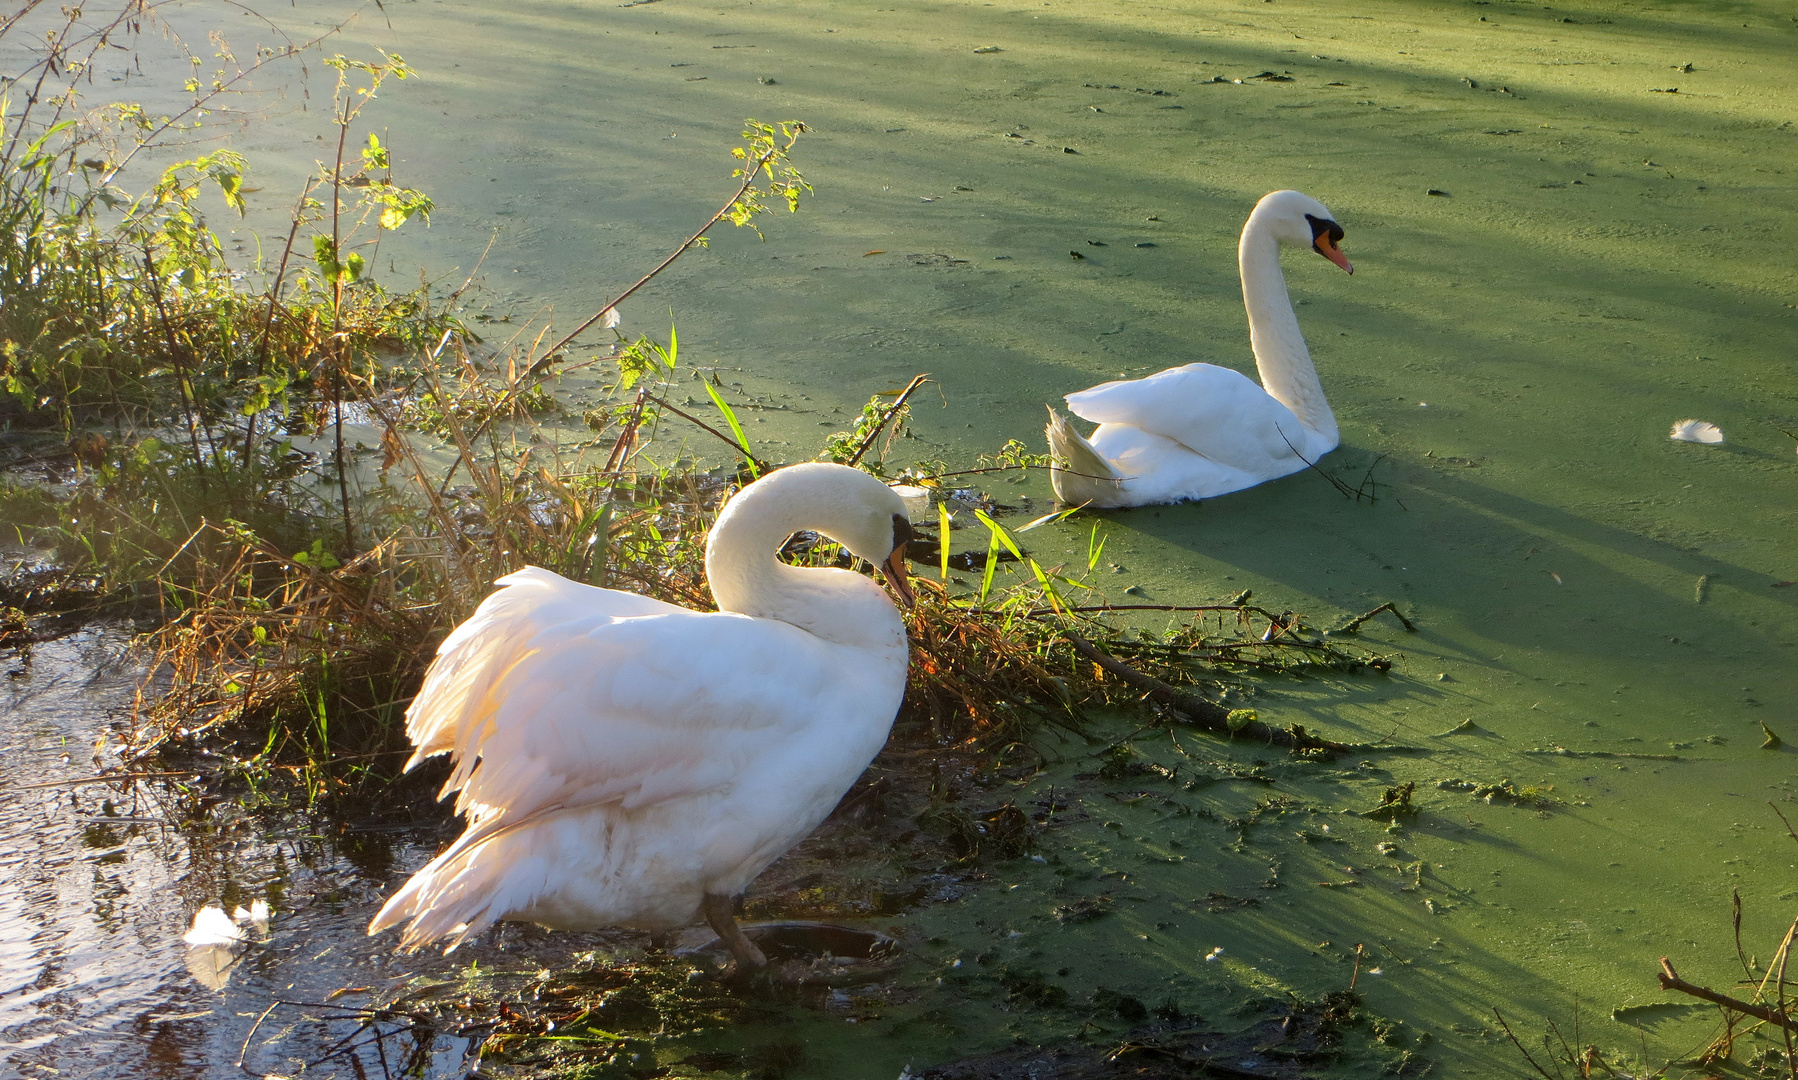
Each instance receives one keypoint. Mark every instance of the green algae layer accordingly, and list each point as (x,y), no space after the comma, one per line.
(1572,226)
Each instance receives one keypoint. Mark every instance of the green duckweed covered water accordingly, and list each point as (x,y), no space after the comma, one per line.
(1571,227)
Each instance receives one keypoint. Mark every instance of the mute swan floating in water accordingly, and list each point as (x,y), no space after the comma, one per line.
(626,762)
(1201,430)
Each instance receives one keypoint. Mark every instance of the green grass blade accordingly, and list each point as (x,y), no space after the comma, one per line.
(942,526)
(992,559)
(999,531)
(1042,578)
(736,429)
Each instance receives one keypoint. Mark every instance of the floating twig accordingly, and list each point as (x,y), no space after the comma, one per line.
(1354,624)
(1670,980)
(114,778)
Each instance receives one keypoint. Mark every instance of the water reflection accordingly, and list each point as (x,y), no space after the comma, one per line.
(133,947)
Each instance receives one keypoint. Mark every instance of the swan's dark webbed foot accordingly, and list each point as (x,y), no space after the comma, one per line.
(747,958)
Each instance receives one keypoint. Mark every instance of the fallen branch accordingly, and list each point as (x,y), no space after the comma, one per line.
(1670,980)
(1354,624)
(750,171)
(1210,716)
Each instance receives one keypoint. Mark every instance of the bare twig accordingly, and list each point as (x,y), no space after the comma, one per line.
(750,172)
(1788,825)
(892,411)
(244,1051)
(1526,1054)
(709,429)
(1354,624)
(114,778)
(1016,468)
(1670,980)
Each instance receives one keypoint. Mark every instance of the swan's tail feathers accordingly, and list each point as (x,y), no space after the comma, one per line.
(1079,475)
(460,893)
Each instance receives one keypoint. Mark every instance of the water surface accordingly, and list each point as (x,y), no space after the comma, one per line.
(1603,256)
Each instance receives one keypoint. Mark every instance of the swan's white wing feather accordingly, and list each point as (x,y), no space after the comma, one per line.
(629,709)
(1216,412)
(460,684)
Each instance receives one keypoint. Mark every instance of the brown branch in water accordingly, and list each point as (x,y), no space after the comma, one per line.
(1782,817)
(1519,1045)
(115,778)
(1670,980)
(892,411)
(1208,715)
(1354,624)
(760,465)
(1039,612)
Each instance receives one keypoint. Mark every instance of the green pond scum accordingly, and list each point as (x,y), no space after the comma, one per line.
(1571,229)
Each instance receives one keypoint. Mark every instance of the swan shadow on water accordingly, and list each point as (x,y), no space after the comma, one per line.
(1436,539)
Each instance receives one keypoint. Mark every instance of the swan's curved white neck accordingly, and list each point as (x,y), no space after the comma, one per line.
(746,578)
(1284,362)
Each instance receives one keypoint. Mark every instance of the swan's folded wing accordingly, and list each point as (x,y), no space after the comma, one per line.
(635,710)
(527,605)
(1214,411)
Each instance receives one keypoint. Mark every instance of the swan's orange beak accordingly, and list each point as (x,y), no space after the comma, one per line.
(894,571)
(1326,246)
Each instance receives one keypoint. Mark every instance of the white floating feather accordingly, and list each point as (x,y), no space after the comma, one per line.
(212,927)
(1698,431)
(610,318)
(256,915)
(214,943)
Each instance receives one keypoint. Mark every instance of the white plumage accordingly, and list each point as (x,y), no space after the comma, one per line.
(1197,431)
(621,760)
(1698,431)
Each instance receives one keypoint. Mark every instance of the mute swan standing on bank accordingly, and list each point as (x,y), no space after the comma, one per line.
(1201,430)
(626,762)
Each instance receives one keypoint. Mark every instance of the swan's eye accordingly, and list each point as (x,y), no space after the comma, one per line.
(1322,228)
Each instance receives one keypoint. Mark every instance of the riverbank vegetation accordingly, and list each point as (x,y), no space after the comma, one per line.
(301,486)
(297,478)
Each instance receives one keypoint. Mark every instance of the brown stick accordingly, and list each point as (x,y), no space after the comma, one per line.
(892,411)
(1670,980)
(1354,624)
(750,172)
(761,466)
(1210,716)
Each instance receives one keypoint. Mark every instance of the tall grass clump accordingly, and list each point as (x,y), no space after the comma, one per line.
(135,356)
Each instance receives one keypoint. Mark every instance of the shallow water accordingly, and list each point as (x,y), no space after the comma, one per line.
(1505,364)
(102,881)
